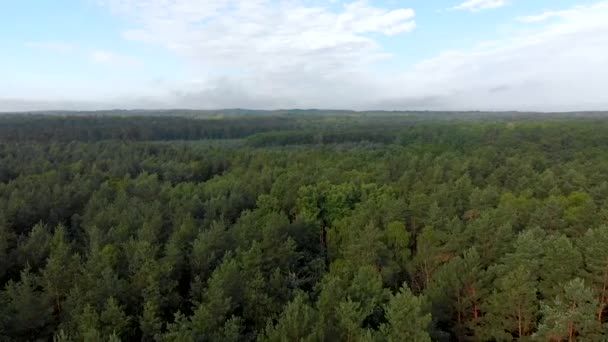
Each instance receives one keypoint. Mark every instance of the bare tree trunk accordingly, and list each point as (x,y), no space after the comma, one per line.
(600,313)
(519,323)
(571,332)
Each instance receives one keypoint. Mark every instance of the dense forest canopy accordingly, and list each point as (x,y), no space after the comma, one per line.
(296,226)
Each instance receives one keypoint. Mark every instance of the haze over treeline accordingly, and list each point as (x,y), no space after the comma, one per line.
(542,55)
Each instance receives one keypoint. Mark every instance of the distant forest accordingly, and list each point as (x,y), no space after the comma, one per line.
(303,226)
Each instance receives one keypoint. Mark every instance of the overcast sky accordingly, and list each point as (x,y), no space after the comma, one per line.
(543,55)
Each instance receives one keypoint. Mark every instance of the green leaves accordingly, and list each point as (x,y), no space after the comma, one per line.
(595,254)
(406,318)
(109,323)
(511,310)
(296,323)
(570,316)
(25,311)
(470,231)
(457,293)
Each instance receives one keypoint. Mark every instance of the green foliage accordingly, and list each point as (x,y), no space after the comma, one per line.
(348,300)
(62,269)
(561,260)
(296,322)
(110,322)
(26,311)
(35,249)
(150,323)
(431,252)
(457,293)
(7,238)
(595,254)
(292,226)
(571,315)
(511,310)
(406,319)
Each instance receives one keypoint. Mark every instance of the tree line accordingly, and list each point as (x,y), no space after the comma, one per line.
(459,231)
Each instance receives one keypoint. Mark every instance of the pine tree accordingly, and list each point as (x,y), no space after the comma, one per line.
(61,336)
(406,319)
(347,298)
(34,251)
(296,322)
(150,323)
(7,238)
(397,240)
(114,320)
(223,295)
(88,325)
(528,252)
(512,309)
(28,311)
(350,316)
(561,260)
(61,270)
(431,252)
(208,250)
(179,331)
(456,293)
(571,315)
(594,246)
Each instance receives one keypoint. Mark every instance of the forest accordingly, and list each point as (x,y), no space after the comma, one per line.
(303,226)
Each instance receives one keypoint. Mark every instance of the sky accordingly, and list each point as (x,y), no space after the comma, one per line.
(527,55)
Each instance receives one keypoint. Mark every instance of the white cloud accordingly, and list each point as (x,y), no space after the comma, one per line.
(21,105)
(537,18)
(114,59)
(264,35)
(557,66)
(480,5)
(554,66)
(58,47)
(359,17)
(263,54)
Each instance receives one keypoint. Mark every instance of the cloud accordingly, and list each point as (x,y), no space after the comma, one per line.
(24,105)
(549,15)
(479,5)
(264,35)
(359,17)
(556,66)
(268,54)
(113,59)
(58,47)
